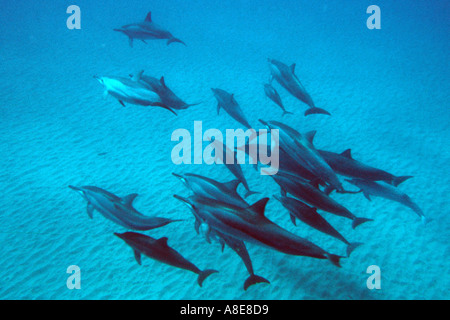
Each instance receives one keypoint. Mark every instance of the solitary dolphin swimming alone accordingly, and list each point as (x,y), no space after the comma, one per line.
(286,77)
(117,209)
(227,102)
(275,97)
(387,191)
(131,91)
(250,224)
(160,251)
(147,30)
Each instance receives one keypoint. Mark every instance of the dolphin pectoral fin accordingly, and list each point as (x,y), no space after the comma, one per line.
(197,225)
(130,41)
(90,210)
(254,279)
(105,94)
(367,195)
(137,256)
(218,108)
(292,67)
(204,274)
(162,105)
(121,102)
(314,110)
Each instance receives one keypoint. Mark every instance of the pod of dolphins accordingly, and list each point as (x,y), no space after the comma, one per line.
(307,176)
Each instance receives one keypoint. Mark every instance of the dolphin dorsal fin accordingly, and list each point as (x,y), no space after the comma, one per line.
(293,67)
(163,82)
(347,153)
(260,206)
(162,241)
(137,76)
(310,136)
(149,17)
(232,185)
(128,200)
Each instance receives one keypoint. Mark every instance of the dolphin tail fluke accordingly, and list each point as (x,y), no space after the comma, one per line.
(204,274)
(286,112)
(175,40)
(357,221)
(314,110)
(334,259)
(254,279)
(249,193)
(397,180)
(351,247)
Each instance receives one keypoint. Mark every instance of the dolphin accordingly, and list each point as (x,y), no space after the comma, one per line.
(117,209)
(286,77)
(160,251)
(236,245)
(234,167)
(345,165)
(147,30)
(387,191)
(309,215)
(251,225)
(167,96)
(134,92)
(275,97)
(300,147)
(227,102)
(305,191)
(209,188)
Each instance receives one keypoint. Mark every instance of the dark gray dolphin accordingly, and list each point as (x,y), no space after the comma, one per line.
(309,215)
(160,251)
(344,164)
(209,188)
(387,191)
(147,30)
(305,191)
(236,245)
(227,102)
(167,96)
(251,225)
(118,210)
(286,77)
(300,148)
(275,97)
(131,91)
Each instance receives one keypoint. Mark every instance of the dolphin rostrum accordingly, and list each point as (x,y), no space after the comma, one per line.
(159,250)
(251,225)
(117,209)
(131,91)
(147,30)
(345,165)
(309,215)
(275,97)
(387,191)
(227,102)
(286,77)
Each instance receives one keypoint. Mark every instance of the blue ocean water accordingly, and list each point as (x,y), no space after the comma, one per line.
(387,91)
